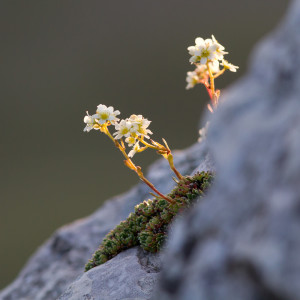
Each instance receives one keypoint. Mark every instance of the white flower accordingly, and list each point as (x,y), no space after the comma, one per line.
(201,73)
(214,66)
(132,127)
(191,79)
(203,51)
(139,126)
(135,149)
(229,66)
(202,44)
(123,129)
(194,59)
(219,49)
(105,114)
(201,69)
(90,122)
(130,141)
(192,50)
(203,132)
(207,54)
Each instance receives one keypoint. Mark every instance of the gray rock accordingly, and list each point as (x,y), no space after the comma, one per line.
(130,275)
(58,262)
(243,242)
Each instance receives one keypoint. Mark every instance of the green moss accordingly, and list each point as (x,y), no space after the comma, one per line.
(147,226)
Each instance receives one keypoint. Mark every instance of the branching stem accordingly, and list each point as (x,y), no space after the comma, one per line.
(166,153)
(220,73)
(129,163)
(212,85)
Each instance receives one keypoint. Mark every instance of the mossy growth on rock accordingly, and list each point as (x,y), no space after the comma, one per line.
(147,226)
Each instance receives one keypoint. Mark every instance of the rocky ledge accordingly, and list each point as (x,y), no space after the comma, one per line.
(130,275)
(58,262)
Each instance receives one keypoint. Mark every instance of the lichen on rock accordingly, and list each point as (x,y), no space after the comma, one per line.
(147,226)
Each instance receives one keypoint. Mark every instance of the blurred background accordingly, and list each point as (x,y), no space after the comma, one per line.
(61,58)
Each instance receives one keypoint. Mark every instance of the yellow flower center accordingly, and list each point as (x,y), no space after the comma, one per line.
(142,130)
(104,116)
(131,140)
(124,130)
(205,53)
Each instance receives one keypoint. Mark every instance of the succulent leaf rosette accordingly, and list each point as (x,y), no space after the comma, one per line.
(148,225)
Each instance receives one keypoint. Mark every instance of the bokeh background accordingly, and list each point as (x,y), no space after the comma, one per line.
(61,58)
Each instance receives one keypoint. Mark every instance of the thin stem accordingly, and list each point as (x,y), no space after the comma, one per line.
(142,149)
(148,145)
(137,170)
(171,163)
(155,190)
(212,85)
(208,89)
(220,73)
(168,156)
(118,145)
(211,78)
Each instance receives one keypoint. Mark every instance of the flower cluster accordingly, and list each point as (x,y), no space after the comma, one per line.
(206,50)
(134,130)
(133,127)
(103,115)
(207,55)
(201,74)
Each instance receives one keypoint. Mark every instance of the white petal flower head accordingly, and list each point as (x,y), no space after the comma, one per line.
(208,53)
(194,59)
(229,66)
(105,114)
(203,51)
(130,141)
(192,50)
(191,79)
(201,43)
(214,66)
(90,122)
(201,69)
(135,149)
(140,125)
(219,49)
(123,129)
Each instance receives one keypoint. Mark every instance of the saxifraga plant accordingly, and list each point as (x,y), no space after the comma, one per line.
(147,226)
(149,223)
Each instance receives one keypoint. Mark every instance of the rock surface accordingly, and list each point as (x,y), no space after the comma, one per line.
(243,242)
(130,275)
(61,259)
